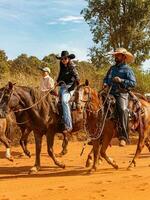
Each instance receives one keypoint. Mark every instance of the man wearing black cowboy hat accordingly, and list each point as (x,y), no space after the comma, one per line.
(68,78)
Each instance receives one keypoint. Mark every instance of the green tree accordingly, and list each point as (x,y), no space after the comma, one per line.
(20,63)
(3,56)
(4,65)
(26,64)
(118,23)
(51,62)
(51,58)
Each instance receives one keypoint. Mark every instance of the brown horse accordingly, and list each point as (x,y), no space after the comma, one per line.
(102,138)
(43,119)
(4,138)
(7,128)
(6,132)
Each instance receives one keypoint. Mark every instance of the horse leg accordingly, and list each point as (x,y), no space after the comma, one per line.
(24,141)
(147,143)
(89,159)
(96,150)
(7,142)
(107,137)
(4,139)
(50,142)
(38,145)
(64,146)
(140,146)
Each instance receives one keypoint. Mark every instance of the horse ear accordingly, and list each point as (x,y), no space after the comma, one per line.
(86,82)
(10,85)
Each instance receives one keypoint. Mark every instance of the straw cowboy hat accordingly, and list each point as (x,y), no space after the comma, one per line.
(65,54)
(129,56)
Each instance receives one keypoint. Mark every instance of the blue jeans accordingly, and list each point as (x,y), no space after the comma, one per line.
(122,111)
(65,97)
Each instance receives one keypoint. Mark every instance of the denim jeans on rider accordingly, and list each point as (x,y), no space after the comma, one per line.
(65,97)
(122,111)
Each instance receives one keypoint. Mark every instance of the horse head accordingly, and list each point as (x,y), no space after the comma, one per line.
(82,95)
(86,96)
(9,100)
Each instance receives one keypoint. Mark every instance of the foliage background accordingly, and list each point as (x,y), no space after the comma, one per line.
(24,70)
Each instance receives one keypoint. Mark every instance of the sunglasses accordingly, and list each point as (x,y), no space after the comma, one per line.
(65,58)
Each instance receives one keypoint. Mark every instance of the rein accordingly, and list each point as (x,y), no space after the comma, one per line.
(99,129)
(36,103)
(41,99)
(33,105)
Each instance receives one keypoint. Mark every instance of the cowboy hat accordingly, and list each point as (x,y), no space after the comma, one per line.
(65,54)
(129,56)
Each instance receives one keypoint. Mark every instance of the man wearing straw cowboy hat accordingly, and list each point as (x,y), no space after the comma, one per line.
(121,78)
(68,78)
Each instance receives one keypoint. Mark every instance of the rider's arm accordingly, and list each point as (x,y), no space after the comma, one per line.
(107,78)
(75,75)
(130,81)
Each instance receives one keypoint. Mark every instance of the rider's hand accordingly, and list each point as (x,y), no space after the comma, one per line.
(116,79)
(104,86)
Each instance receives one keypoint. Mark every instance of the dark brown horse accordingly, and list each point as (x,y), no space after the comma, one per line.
(101,138)
(43,119)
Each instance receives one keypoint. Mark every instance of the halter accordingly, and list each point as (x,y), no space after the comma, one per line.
(100,127)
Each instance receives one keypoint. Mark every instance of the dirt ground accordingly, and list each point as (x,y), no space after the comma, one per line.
(74,183)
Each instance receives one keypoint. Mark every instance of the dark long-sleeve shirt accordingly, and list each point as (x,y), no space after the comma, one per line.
(69,76)
(124,72)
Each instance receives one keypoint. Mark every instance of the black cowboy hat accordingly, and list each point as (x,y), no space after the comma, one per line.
(65,54)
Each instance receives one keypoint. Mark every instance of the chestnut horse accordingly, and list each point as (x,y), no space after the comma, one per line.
(101,136)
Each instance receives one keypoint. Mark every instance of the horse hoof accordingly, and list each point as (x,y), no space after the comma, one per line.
(92,170)
(116,167)
(88,163)
(33,170)
(130,167)
(29,155)
(10,158)
(63,166)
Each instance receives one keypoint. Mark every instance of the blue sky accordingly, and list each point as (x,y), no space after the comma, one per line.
(40,27)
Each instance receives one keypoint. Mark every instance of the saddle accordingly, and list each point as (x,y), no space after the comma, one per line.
(133,113)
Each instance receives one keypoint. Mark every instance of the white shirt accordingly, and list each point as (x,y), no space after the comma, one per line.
(46,84)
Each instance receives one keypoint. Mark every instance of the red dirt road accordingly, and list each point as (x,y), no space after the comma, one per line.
(74,183)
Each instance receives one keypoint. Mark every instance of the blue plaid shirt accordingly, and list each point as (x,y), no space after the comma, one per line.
(124,72)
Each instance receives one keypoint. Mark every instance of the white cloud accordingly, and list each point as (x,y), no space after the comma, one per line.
(71,18)
(69,2)
(52,23)
(66,19)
